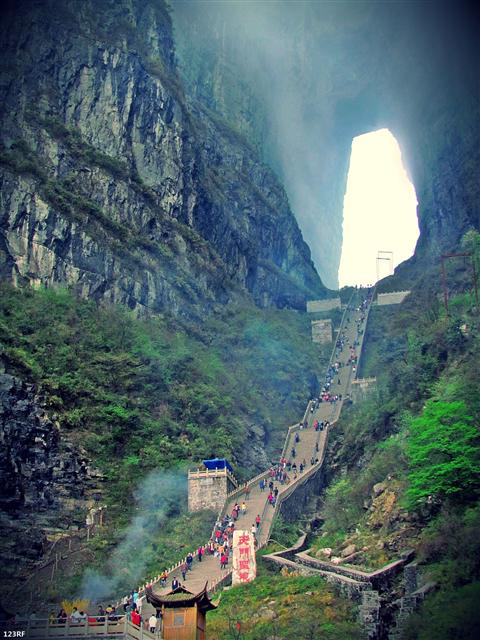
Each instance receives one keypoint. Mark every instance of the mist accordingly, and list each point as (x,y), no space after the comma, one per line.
(285,60)
(302,79)
(159,496)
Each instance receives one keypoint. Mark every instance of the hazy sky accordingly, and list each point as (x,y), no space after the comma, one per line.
(379,209)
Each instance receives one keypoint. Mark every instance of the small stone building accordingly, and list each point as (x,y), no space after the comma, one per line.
(208,487)
(322,331)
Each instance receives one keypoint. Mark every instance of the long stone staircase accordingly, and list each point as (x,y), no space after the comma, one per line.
(311,444)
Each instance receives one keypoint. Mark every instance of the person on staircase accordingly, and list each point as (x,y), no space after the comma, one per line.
(152,623)
(183,570)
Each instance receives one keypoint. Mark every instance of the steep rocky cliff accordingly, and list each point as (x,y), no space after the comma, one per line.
(113,184)
(310,76)
(47,483)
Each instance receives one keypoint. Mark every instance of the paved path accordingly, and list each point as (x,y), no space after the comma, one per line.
(209,568)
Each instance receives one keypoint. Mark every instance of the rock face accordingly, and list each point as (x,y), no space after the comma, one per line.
(312,76)
(113,184)
(46,481)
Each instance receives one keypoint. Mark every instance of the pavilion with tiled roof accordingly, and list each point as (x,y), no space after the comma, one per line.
(183,612)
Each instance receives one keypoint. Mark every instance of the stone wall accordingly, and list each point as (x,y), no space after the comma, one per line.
(303,498)
(322,331)
(394,297)
(317,306)
(362,387)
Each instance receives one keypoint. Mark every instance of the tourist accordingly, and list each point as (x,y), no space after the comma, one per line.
(244,508)
(163,579)
(136,618)
(152,623)
(184,569)
(223,561)
(189,561)
(74,616)
(200,553)
(262,485)
(62,616)
(175,584)
(257,521)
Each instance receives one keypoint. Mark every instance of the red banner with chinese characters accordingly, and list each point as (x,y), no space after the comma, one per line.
(244,563)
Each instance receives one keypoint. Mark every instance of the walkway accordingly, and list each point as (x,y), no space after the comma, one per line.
(353,329)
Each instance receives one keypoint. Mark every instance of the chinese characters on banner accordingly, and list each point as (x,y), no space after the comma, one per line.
(244,563)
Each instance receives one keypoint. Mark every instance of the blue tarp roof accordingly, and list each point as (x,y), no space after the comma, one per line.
(218,463)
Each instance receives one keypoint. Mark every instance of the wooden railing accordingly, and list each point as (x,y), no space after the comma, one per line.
(42,628)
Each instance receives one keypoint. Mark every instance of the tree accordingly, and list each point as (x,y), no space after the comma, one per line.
(444,454)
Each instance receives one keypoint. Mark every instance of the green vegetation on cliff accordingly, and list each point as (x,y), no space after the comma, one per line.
(411,451)
(144,394)
(161,393)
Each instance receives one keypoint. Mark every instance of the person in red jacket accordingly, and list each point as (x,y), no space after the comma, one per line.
(136,618)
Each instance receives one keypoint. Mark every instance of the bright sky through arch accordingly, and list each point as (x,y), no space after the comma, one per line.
(379,209)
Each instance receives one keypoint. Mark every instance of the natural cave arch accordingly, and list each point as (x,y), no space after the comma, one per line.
(409,67)
(379,212)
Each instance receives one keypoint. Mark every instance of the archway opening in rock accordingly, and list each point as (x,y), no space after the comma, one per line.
(379,211)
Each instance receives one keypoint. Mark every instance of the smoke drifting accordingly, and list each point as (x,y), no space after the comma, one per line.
(160,496)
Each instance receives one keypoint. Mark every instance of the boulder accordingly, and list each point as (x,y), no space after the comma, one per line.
(379,488)
(348,550)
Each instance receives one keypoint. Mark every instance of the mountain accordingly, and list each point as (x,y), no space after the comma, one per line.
(302,79)
(115,185)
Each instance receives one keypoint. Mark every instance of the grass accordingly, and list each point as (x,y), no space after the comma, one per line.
(283,607)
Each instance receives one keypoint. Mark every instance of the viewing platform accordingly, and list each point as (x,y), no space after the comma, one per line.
(209,486)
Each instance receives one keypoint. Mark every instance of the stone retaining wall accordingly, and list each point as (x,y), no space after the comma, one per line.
(317,306)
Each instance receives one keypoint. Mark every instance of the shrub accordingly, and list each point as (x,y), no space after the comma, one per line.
(444,454)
